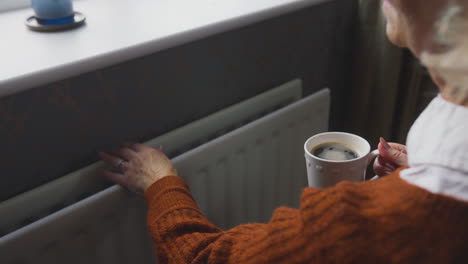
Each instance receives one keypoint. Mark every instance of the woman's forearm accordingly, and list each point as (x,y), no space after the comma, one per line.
(182,234)
(178,228)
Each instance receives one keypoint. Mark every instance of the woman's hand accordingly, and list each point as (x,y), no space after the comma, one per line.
(391,156)
(136,166)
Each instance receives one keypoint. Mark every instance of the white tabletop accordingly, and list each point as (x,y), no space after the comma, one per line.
(118,30)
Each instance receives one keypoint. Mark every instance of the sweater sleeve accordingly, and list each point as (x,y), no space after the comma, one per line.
(381,221)
(182,234)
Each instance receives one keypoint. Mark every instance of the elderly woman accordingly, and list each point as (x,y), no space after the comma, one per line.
(414,215)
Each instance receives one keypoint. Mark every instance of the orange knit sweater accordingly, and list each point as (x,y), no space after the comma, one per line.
(381,221)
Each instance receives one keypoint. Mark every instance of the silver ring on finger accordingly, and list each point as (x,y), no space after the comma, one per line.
(119,165)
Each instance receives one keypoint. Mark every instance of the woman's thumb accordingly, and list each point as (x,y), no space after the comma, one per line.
(392,155)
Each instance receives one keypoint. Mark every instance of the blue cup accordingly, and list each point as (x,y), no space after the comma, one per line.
(53,12)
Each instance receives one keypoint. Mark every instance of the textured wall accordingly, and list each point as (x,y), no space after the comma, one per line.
(52,130)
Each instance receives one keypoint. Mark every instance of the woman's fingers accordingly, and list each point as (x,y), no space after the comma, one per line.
(112,176)
(381,168)
(110,159)
(391,156)
(386,164)
(137,147)
(397,146)
(139,165)
(394,154)
(130,145)
(126,153)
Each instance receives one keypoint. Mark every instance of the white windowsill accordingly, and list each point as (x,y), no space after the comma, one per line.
(118,30)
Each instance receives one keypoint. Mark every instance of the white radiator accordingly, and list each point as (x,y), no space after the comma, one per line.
(238,177)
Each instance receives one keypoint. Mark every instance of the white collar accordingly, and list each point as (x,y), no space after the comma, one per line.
(437,148)
(439,136)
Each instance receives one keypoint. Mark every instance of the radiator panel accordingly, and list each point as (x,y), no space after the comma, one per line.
(71,188)
(268,161)
(236,178)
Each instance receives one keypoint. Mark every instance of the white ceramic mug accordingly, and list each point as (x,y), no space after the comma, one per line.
(324,173)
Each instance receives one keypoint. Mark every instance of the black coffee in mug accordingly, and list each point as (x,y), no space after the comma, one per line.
(334,151)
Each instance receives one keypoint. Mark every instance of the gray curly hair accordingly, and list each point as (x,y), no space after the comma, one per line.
(452,65)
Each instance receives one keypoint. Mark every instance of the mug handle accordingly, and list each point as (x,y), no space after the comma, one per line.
(371,156)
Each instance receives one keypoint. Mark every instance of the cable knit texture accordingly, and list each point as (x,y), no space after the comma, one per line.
(381,221)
